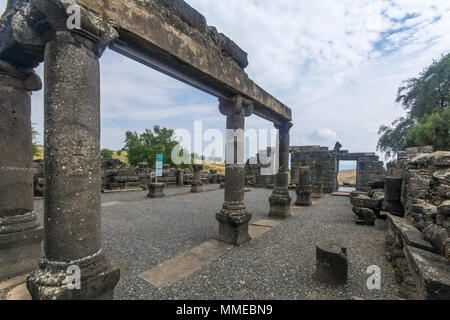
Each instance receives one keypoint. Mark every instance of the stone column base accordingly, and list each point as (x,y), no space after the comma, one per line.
(304,198)
(98,280)
(155,190)
(20,252)
(197,188)
(233,229)
(280,203)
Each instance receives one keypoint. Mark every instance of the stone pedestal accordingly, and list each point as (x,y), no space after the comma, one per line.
(72,207)
(197,183)
(303,190)
(20,232)
(280,200)
(234,218)
(331,264)
(156,190)
(317,190)
(180,178)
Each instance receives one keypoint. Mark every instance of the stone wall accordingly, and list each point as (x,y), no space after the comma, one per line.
(254,176)
(426,193)
(369,169)
(324,164)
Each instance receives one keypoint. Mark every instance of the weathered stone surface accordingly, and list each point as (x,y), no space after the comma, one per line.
(155,190)
(180,178)
(365,214)
(377,184)
(10,48)
(234,218)
(196,183)
(280,200)
(20,233)
(444,209)
(303,190)
(331,263)
(72,206)
(364,201)
(441,159)
(437,236)
(432,273)
(410,235)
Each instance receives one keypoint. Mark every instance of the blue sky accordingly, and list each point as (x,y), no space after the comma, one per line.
(336,64)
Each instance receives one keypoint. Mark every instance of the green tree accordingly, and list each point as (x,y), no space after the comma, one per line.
(34,135)
(144,147)
(427,101)
(106,154)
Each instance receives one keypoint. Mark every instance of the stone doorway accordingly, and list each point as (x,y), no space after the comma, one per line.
(346,176)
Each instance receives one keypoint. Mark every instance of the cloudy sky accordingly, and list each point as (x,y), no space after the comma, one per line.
(336,64)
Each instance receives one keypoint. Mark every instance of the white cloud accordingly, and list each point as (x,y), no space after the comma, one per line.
(322,136)
(337,64)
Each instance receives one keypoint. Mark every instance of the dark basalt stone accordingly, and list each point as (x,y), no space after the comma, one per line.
(331,263)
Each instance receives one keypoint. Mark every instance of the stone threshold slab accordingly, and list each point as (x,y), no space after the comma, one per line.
(186,264)
(182,266)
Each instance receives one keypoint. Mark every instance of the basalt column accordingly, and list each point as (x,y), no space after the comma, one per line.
(20,233)
(197,183)
(304,187)
(72,228)
(234,218)
(280,200)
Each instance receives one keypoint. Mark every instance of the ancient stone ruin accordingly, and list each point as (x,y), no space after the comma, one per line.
(324,164)
(168,36)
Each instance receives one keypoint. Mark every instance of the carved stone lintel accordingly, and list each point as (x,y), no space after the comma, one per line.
(11,49)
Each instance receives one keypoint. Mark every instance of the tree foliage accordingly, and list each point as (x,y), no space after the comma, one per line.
(34,135)
(106,154)
(146,146)
(427,122)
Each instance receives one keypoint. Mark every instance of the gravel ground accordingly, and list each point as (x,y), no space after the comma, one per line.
(278,265)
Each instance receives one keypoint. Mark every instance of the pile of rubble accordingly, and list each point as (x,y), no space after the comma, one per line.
(117,177)
(367,205)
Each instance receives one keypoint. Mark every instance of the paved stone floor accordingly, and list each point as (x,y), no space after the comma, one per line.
(140,235)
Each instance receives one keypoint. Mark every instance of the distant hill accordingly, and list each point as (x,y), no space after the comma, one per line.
(40,155)
(347,176)
(208,165)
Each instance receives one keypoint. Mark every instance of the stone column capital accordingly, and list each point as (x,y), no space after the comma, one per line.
(237,106)
(25,79)
(284,127)
(45,20)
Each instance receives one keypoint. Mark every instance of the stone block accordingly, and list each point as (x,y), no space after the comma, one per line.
(155,190)
(444,209)
(437,236)
(431,272)
(410,235)
(331,263)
